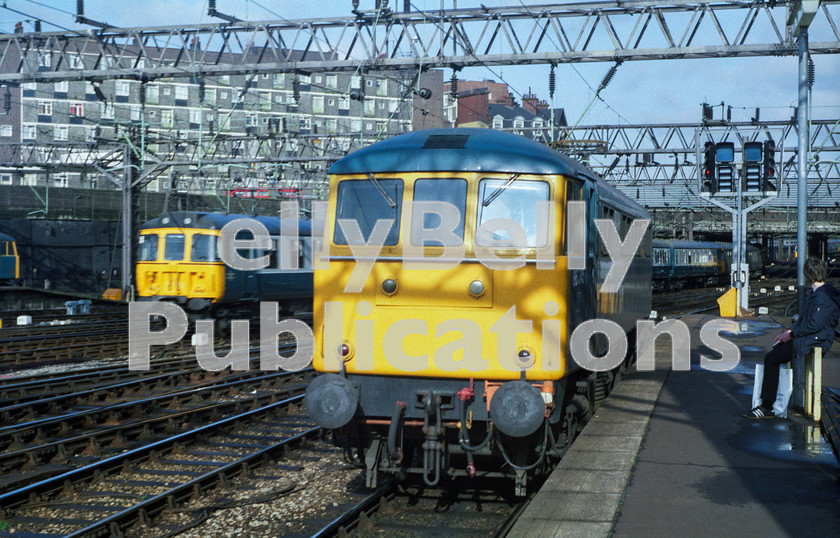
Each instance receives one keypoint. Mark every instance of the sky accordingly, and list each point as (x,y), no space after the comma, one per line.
(642,92)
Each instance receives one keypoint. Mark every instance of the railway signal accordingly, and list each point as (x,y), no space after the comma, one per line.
(769,180)
(724,156)
(752,166)
(709,176)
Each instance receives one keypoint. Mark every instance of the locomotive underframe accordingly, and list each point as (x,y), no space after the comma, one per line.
(424,435)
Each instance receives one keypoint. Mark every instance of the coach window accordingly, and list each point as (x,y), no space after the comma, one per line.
(204,248)
(148,248)
(514,200)
(367,201)
(451,191)
(174,247)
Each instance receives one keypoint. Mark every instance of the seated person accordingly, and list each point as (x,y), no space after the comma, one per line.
(815,327)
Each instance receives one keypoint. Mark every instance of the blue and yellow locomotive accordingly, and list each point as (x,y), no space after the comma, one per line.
(9,260)
(470,360)
(179,261)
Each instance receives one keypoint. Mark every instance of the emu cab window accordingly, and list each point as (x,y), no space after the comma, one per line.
(366,201)
(451,191)
(148,248)
(204,248)
(173,247)
(512,200)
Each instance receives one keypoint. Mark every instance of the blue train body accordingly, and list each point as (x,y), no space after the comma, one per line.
(678,264)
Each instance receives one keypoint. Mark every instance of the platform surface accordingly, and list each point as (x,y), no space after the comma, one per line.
(669,454)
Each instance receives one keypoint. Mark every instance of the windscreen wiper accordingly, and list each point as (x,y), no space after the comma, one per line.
(390,201)
(489,200)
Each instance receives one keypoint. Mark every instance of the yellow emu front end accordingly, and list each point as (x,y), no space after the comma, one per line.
(180,262)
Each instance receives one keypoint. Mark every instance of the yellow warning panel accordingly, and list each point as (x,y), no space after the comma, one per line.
(113,294)
(728,303)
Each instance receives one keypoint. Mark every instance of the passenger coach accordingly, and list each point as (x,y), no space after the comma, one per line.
(436,370)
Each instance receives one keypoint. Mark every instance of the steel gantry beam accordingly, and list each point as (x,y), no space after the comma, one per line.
(521,34)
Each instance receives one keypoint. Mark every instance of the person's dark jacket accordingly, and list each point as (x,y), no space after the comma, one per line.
(816,323)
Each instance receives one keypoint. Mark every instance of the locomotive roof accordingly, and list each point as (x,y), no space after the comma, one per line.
(474,150)
(215,221)
(459,150)
(693,244)
(4,237)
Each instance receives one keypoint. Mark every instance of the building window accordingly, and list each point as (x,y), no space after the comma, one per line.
(370,106)
(382,87)
(195,115)
(5,179)
(60,180)
(305,122)
(5,130)
(106,111)
(90,133)
(44,108)
(182,93)
(265,101)
(355,125)
(250,120)
(29,132)
(45,60)
(355,82)
(152,94)
(134,112)
(167,91)
(77,109)
(332,81)
(210,96)
(317,104)
(344,102)
(76,62)
(61,133)
(122,87)
(279,80)
(166,118)
(518,122)
(61,87)
(498,122)
(393,105)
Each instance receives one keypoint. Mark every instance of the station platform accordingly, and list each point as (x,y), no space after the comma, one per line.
(669,454)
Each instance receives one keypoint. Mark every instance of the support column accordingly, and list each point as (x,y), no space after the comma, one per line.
(801,207)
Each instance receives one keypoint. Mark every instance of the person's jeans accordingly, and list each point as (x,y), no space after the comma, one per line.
(781,354)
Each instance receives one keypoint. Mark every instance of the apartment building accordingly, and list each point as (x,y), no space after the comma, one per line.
(166,115)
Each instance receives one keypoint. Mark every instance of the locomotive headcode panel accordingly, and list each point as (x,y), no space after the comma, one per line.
(445,302)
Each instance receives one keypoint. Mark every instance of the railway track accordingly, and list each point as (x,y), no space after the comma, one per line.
(136,486)
(466,508)
(34,345)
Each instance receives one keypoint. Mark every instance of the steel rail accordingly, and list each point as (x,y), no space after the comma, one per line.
(29,458)
(54,485)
